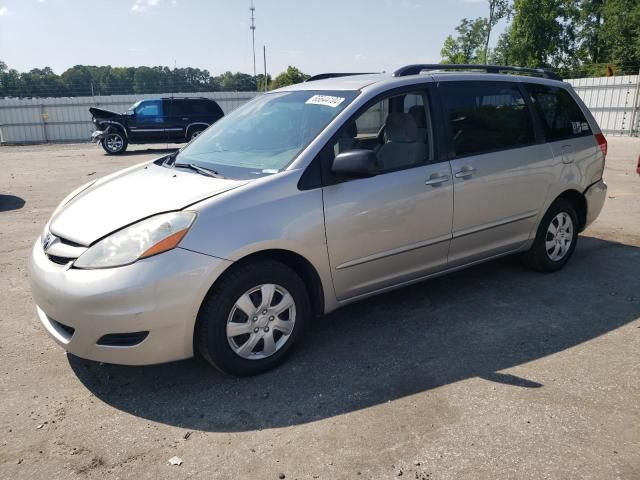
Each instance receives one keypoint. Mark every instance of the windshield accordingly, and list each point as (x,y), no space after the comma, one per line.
(265,135)
(132,108)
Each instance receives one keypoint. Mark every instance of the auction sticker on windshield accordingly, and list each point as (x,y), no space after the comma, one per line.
(326,100)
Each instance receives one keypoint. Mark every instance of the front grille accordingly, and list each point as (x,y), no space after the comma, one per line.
(65,330)
(59,260)
(122,339)
(60,250)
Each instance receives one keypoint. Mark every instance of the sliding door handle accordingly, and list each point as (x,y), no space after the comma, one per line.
(466,172)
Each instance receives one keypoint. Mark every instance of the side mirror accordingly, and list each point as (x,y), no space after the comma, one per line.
(355,164)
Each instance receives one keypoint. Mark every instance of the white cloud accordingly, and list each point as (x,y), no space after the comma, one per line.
(141,6)
(4,11)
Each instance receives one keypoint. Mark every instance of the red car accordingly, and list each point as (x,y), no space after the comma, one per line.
(638,167)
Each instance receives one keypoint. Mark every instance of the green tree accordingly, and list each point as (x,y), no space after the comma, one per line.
(238,82)
(107,80)
(468,45)
(500,54)
(147,80)
(119,81)
(260,81)
(291,76)
(543,33)
(589,22)
(10,82)
(40,82)
(620,32)
(191,79)
(77,80)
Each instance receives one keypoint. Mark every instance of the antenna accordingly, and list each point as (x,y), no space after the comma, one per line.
(252,9)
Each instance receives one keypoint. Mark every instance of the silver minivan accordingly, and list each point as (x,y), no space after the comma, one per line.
(312,197)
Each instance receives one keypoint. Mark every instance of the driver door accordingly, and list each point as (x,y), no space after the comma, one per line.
(394,227)
(149,123)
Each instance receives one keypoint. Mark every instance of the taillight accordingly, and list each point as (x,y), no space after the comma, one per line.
(602,143)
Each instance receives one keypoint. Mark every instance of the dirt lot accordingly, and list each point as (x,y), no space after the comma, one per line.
(494,372)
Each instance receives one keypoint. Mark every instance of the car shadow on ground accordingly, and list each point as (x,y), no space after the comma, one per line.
(10,202)
(473,323)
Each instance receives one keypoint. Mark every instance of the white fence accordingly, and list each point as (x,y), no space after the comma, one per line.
(67,119)
(614,101)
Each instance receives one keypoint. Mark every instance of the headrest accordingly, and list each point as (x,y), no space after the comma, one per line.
(417,112)
(401,128)
(350,131)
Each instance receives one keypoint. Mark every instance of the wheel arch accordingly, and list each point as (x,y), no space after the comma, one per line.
(296,262)
(111,125)
(578,202)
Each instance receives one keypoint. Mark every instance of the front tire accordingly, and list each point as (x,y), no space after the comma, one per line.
(114,143)
(556,238)
(252,318)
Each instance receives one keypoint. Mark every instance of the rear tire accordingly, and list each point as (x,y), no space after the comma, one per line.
(240,329)
(556,238)
(114,143)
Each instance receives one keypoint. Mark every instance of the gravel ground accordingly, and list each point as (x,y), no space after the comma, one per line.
(494,372)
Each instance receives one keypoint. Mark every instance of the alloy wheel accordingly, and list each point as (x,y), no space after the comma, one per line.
(114,142)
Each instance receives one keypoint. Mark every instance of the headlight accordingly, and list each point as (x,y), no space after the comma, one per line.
(141,240)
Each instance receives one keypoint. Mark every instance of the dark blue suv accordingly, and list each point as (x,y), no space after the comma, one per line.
(162,120)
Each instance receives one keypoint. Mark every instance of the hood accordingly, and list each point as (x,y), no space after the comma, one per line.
(98,113)
(129,196)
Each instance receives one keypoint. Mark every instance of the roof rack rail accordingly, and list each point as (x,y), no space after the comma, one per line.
(323,76)
(417,68)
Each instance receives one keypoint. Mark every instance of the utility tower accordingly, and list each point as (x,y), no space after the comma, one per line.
(252,9)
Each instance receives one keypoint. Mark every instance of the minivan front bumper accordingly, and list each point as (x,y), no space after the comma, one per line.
(595,195)
(150,307)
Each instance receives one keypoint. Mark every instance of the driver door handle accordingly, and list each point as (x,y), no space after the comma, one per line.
(437,180)
(466,172)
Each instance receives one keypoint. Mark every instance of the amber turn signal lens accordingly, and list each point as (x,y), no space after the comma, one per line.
(172,241)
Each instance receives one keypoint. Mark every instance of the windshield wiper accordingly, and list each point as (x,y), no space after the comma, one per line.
(202,170)
(170,159)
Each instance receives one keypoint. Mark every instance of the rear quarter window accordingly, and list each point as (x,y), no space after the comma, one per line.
(177,107)
(184,106)
(484,117)
(560,115)
(209,106)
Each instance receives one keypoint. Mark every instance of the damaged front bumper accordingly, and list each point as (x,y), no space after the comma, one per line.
(98,135)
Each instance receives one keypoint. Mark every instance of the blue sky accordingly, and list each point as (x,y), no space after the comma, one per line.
(315,35)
